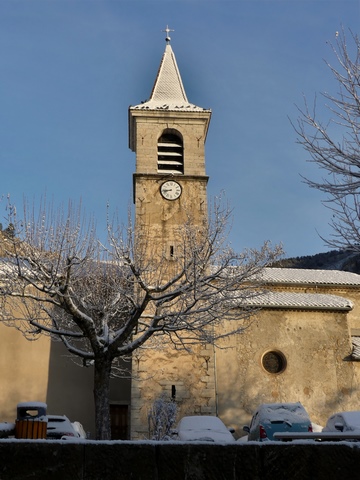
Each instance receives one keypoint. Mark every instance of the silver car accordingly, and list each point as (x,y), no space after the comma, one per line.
(203,428)
(344,422)
(59,426)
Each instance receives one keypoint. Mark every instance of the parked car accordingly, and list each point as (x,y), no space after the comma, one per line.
(79,429)
(277,417)
(344,422)
(203,428)
(7,429)
(59,426)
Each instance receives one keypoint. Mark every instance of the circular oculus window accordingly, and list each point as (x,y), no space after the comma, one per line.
(274,362)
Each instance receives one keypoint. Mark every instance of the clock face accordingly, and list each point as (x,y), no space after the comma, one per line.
(170,190)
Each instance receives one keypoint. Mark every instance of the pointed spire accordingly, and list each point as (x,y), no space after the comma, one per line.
(168,92)
(168,86)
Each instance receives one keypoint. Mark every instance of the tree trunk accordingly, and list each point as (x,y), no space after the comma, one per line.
(101,397)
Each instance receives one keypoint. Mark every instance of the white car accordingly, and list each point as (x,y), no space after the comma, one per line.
(60,427)
(7,429)
(203,428)
(79,429)
(344,422)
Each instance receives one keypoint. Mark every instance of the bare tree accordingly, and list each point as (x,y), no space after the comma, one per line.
(334,144)
(105,301)
(162,417)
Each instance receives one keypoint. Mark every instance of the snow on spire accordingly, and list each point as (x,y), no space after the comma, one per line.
(168,92)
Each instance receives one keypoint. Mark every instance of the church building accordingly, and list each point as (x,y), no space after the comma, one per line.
(298,347)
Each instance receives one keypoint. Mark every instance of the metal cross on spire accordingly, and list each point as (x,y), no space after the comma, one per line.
(167,30)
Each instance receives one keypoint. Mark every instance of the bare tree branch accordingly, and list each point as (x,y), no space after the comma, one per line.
(334,144)
(106,301)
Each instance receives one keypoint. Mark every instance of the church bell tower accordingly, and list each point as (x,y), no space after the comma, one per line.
(168,135)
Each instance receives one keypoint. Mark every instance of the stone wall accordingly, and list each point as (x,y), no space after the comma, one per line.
(24,367)
(58,460)
(164,370)
(315,344)
(232,382)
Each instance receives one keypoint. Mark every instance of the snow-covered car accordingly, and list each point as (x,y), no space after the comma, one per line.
(60,427)
(7,429)
(203,428)
(277,417)
(344,422)
(79,429)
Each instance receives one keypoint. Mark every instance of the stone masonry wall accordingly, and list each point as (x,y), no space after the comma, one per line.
(157,371)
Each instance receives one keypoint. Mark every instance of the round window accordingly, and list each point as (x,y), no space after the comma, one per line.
(274,362)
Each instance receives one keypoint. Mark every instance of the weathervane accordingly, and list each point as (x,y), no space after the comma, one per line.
(168,30)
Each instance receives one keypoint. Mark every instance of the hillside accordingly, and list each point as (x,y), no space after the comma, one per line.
(332,260)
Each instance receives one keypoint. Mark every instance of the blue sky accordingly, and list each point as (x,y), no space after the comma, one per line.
(70,69)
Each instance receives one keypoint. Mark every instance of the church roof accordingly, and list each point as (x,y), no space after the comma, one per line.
(305,301)
(168,92)
(302,276)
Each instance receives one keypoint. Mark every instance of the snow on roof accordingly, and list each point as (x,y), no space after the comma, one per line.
(197,422)
(170,106)
(352,418)
(203,428)
(308,301)
(309,276)
(7,427)
(291,412)
(168,92)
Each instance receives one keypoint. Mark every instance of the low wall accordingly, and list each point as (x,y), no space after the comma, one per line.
(90,460)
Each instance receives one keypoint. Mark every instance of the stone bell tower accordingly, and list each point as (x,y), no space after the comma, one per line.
(168,135)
